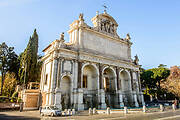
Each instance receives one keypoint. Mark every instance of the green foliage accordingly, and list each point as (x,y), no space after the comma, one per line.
(30,66)
(15,94)
(10,83)
(4,99)
(152,78)
(8,61)
(19,100)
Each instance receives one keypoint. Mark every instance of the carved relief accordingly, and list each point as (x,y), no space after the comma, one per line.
(67,66)
(107,26)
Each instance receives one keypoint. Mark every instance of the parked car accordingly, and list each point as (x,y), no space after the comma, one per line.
(50,110)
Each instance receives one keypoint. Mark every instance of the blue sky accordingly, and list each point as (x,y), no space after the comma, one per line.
(154,25)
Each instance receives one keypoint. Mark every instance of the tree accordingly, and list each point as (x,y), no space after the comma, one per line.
(8,61)
(10,83)
(172,83)
(30,66)
(162,65)
(151,80)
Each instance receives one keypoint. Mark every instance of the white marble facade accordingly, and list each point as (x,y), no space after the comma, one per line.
(94,69)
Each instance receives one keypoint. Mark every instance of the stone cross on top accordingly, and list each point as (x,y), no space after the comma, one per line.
(105,7)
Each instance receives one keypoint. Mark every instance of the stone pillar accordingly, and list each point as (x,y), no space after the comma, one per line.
(117,74)
(75,74)
(58,74)
(102,99)
(58,99)
(53,81)
(135,99)
(139,81)
(142,98)
(47,99)
(75,82)
(79,74)
(80,105)
(121,102)
(100,77)
(115,83)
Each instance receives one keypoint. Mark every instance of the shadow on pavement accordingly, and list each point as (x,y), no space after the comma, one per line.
(8,117)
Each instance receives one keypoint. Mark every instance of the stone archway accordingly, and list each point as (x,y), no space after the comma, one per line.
(126,87)
(65,92)
(90,77)
(90,85)
(109,85)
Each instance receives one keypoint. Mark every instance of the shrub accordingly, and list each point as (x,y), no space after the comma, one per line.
(19,100)
(15,94)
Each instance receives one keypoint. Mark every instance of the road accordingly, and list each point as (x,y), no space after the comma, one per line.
(34,115)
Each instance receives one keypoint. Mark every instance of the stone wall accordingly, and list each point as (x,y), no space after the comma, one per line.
(31,99)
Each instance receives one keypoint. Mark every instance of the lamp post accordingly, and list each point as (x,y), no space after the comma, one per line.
(22,103)
(24,74)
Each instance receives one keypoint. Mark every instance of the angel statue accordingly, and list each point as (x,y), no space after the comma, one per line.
(136,60)
(81,17)
(62,36)
(128,37)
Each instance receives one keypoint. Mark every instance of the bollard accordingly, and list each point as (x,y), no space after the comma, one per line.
(94,111)
(108,110)
(173,106)
(65,112)
(125,110)
(144,108)
(161,108)
(69,112)
(73,112)
(90,111)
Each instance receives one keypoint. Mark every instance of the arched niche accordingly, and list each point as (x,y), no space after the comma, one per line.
(125,79)
(109,77)
(90,77)
(65,87)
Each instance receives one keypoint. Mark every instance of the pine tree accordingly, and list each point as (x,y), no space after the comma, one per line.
(29,70)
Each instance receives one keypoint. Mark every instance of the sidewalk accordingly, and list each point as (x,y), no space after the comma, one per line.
(34,115)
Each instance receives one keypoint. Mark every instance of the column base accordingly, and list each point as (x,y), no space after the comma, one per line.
(103,106)
(80,107)
(122,104)
(136,104)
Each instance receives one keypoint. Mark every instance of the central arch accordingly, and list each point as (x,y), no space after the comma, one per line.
(90,77)
(109,80)
(109,85)
(90,80)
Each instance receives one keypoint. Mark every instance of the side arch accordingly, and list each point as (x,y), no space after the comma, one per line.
(90,76)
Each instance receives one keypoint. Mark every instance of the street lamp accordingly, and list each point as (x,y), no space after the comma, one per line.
(24,74)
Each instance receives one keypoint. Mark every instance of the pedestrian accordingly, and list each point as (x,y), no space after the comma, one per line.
(177,104)
(40,108)
(21,107)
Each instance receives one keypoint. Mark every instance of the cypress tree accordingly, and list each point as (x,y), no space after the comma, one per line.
(29,61)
